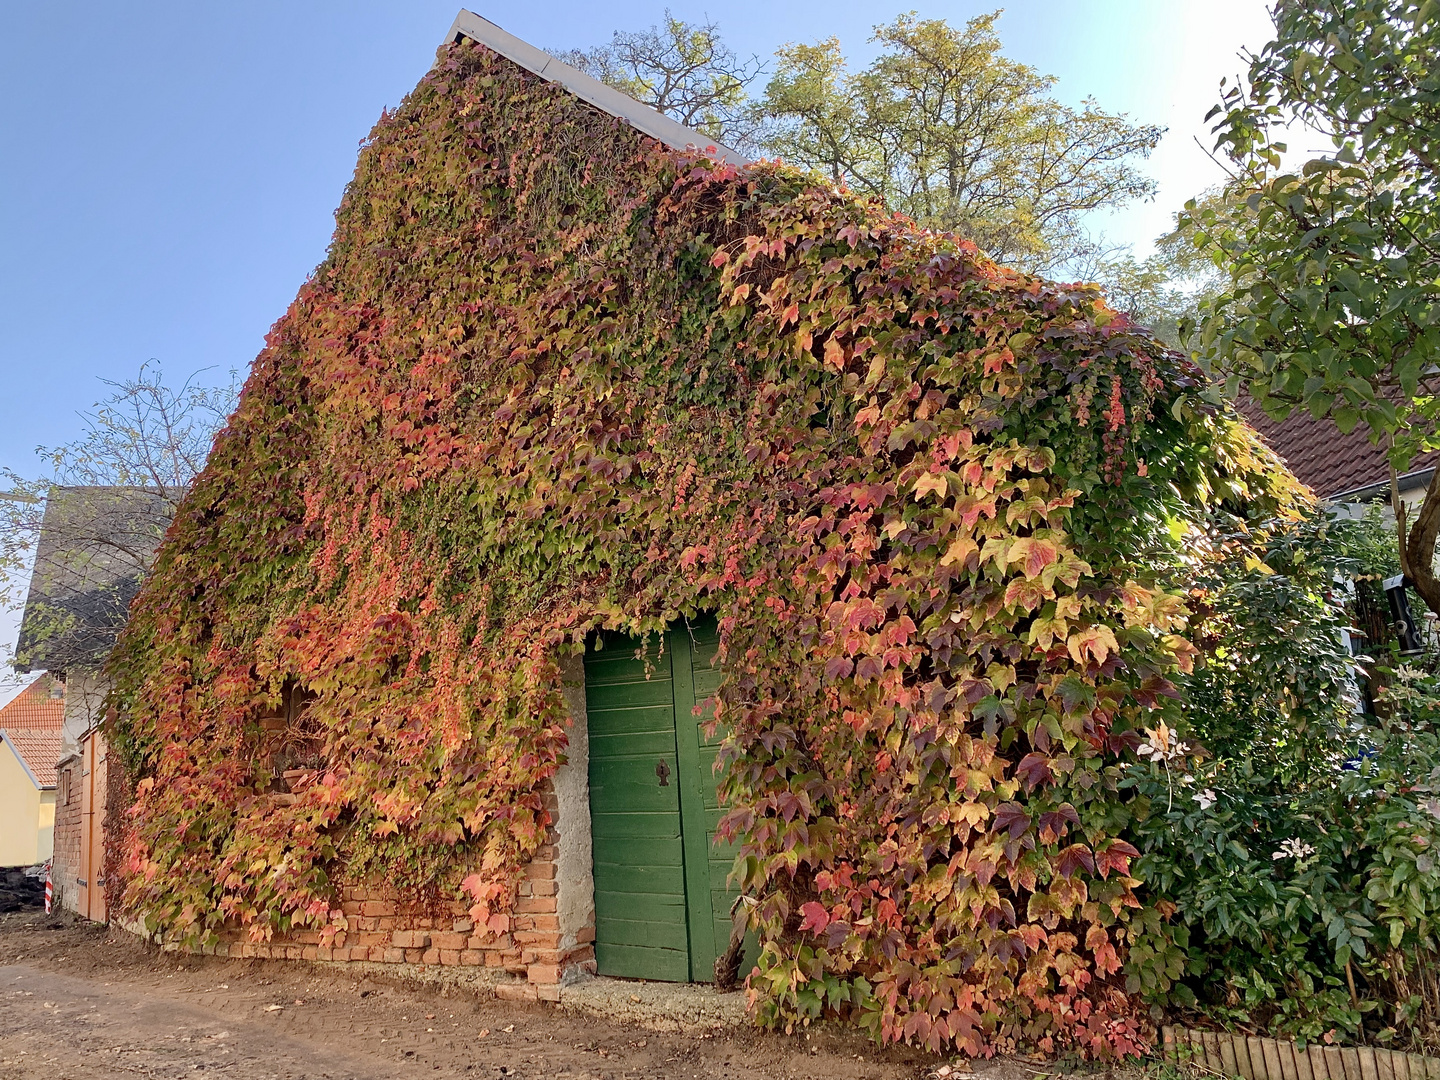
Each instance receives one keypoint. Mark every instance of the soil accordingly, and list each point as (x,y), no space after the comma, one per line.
(82,1000)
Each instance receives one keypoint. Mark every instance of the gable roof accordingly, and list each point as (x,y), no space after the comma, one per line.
(94,543)
(641,117)
(38,751)
(41,705)
(1332,465)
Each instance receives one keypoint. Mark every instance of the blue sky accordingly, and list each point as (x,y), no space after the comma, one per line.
(169,171)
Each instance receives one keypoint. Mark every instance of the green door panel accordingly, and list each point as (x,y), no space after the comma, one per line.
(662,898)
(710,890)
(640,916)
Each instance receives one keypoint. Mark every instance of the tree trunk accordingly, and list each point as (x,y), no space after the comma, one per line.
(1417,552)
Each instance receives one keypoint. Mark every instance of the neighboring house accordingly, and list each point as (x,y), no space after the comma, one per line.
(1338,467)
(30,734)
(94,545)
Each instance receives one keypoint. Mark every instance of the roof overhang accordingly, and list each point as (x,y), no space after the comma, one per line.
(1420,478)
(10,746)
(641,117)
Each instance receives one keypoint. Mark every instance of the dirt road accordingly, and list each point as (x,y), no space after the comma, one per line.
(77,1001)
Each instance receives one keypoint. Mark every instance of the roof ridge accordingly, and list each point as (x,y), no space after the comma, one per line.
(641,117)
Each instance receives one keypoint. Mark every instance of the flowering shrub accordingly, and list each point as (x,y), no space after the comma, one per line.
(1294,836)
(551,379)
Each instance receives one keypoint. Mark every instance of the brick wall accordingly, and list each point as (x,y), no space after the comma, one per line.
(380,927)
(65,868)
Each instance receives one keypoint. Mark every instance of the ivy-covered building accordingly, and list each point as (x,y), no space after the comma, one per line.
(618,546)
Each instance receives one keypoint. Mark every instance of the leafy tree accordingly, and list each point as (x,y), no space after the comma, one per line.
(1332,298)
(1164,291)
(104,504)
(944,128)
(681,69)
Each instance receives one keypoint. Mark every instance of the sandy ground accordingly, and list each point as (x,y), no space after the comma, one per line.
(79,1001)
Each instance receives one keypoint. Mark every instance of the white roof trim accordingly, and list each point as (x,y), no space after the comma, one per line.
(5,738)
(641,117)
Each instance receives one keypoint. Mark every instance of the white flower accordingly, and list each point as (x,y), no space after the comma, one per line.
(1206,799)
(1406,673)
(1292,849)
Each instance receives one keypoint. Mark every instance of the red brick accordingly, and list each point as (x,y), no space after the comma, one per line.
(414,956)
(376,908)
(472,958)
(544,888)
(450,957)
(465,926)
(452,939)
(430,956)
(548,993)
(516,991)
(586,935)
(540,870)
(394,955)
(410,939)
(544,973)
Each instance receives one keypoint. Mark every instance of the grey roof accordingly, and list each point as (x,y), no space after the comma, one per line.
(641,117)
(95,545)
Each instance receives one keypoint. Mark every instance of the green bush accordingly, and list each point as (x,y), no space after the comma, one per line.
(1293,835)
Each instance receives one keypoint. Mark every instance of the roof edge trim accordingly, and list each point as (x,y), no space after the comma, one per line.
(1405,482)
(5,738)
(641,117)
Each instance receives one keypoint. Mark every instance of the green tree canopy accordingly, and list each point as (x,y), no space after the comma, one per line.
(944,128)
(1332,302)
(940,126)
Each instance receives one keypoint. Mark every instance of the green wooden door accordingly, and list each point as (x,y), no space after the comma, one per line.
(640,916)
(662,908)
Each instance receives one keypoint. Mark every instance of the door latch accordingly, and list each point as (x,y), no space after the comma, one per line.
(662,770)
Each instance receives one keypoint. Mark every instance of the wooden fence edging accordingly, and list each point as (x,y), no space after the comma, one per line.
(1223,1054)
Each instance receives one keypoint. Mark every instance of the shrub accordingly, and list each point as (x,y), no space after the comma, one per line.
(1292,834)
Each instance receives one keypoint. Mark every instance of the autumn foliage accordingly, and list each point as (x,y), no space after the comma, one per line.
(552,378)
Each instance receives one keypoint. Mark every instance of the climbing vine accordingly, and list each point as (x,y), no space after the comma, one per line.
(552,379)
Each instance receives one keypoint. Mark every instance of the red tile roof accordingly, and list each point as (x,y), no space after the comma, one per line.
(1326,461)
(40,706)
(39,750)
